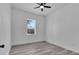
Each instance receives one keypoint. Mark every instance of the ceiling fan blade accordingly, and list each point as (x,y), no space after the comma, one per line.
(42,9)
(39,3)
(37,7)
(44,3)
(47,6)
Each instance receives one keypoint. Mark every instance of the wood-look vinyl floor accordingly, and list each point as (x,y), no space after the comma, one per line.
(40,48)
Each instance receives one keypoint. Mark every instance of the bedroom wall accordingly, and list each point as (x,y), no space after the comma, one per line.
(18,27)
(5,29)
(63,27)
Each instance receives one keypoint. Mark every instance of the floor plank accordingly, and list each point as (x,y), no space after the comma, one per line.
(40,48)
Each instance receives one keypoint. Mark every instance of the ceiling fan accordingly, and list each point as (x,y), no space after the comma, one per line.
(42,6)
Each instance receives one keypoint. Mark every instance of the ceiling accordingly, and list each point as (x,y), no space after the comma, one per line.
(29,7)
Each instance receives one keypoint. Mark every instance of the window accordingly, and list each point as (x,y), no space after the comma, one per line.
(31,26)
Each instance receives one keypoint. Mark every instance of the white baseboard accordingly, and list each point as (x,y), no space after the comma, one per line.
(27,43)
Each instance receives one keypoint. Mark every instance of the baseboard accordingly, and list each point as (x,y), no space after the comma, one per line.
(27,43)
(60,45)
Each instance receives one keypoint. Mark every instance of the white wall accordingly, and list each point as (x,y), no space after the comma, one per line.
(63,27)
(5,19)
(18,27)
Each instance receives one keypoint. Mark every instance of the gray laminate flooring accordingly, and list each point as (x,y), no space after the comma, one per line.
(40,48)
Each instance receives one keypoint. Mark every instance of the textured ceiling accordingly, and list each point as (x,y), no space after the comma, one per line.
(29,7)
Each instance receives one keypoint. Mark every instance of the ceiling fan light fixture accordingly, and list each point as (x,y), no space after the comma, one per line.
(41,6)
